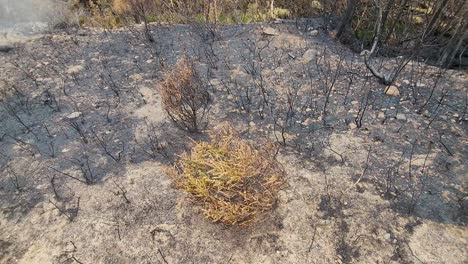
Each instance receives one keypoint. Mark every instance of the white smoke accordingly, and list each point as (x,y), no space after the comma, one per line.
(26,10)
(22,18)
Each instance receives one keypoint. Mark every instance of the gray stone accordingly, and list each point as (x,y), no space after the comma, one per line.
(74,115)
(387,236)
(279,70)
(307,122)
(401,116)
(270,31)
(309,55)
(136,77)
(314,32)
(74,69)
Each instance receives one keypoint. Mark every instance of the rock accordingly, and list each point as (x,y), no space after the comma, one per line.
(215,82)
(387,236)
(251,124)
(307,122)
(74,69)
(352,125)
(270,31)
(392,90)
(74,115)
(279,70)
(136,77)
(314,32)
(401,116)
(267,72)
(407,82)
(420,84)
(381,115)
(82,32)
(309,55)
(6,48)
(316,5)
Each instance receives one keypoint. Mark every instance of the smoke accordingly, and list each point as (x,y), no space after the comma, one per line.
(17,11)
(20,19)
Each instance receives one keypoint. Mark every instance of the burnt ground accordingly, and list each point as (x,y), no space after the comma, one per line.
(79,182)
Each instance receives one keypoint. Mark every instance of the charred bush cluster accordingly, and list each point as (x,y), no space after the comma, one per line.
(431,30)
(185,96)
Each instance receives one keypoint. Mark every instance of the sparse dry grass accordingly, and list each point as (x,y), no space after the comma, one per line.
(185,97)
(231,179)
(187,11)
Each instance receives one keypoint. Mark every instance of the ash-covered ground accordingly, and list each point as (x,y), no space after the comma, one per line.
(373,175)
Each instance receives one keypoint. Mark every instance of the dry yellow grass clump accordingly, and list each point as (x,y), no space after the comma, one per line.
(232,180)
(185,97)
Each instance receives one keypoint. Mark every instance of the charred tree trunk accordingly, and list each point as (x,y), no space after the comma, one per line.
(347,18)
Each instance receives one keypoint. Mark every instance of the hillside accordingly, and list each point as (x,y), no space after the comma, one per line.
(374,174)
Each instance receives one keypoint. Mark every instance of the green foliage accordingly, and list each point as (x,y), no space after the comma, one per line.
(281,13)
(365,35)
(105,13)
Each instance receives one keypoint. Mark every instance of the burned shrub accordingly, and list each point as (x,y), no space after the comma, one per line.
(185,97)
(231,179)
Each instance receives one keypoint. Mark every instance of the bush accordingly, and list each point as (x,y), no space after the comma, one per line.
(232,180)
(185,11)
(281,13)
(185,97)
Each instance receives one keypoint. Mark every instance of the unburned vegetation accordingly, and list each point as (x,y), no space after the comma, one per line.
(231,179)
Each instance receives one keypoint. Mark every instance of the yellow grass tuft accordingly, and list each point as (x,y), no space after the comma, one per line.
(232,180)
